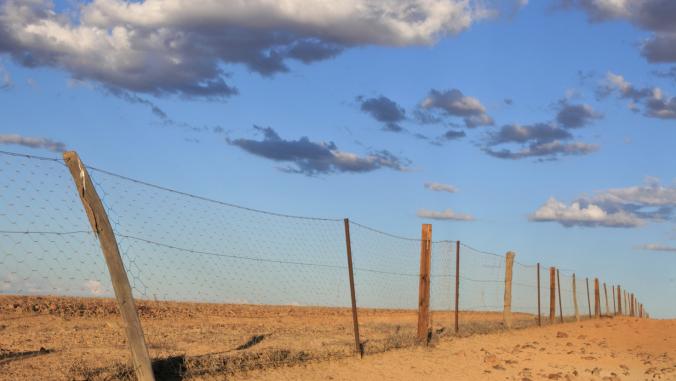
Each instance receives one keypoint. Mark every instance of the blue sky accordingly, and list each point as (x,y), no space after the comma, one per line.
(521,69)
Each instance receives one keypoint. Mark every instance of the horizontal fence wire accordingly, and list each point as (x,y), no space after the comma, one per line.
(239,273)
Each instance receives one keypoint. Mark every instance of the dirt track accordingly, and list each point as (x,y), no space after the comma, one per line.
(81,339)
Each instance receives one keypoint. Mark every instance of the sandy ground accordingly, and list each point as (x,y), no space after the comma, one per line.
(59,338)
(606,350)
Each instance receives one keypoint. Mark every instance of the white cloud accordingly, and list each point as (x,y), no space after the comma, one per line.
(33,142)
(446,214)
(581,214)
(439,187)
(94,287)
(658,247)
(180,46)
(652,193)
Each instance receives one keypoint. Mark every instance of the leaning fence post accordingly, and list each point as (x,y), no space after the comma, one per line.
(457,283)
(558,283)
(552,294)
(588,299)
(577,310)
(353,296)
(605,291)
(539,313)
(98,219)
(424,286)
(507,311)
(597,299)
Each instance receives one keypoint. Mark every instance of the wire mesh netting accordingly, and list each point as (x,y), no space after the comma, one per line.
(228,288)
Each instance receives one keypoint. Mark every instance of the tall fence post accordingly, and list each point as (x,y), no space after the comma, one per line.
(539,312)
(96,213)
(605,291)
(457,284)
(424,286)
(577,310)
(558,284)
(507,311)
(597,299)
(552,294)
(619,300)
(353,295)
(588,299)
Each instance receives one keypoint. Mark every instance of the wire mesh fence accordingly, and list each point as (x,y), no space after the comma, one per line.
(228,288)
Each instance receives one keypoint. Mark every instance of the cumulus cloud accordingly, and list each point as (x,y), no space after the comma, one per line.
(94,287)
(544,140)
(384,110)
(446,214)
(616,207)
(582,214)
(181,46)
(575,115)
(655,103)
(656,16)
(439,187)
(658,247)
(33,142)
(454,103)
(312,158)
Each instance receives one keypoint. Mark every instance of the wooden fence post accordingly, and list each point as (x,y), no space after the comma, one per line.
(552,294)
(457,283)
(588,298)
(577,310)
(597,299)
(619,300)
(558,283)
(614,305)
(605,291)
(424,332)
(507,311)
(539,312)
(96,213)
(353,295)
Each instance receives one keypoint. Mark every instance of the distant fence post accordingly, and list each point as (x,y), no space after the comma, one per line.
(558,284)
(577,310)
(424,286)
(353,295)
(552,294)
(614,305)
(507,311)
(539,312)
(457,283)
(605,291)
(588,298)
(619,300)
(597,299)
(96,213)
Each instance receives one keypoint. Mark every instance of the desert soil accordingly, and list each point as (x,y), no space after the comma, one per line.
(59,338)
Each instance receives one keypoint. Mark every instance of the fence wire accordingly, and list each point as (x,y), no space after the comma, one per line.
(221,284)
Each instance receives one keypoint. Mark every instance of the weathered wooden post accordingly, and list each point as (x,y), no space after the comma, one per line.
(577,310)
(614,303)
(588,298)
(619,300)
(507,311)
(353,295)
(552,294)
(597,299)
(98,219)
(605,291)
(558,283)
(539,312)
(424,331)
(457,283)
